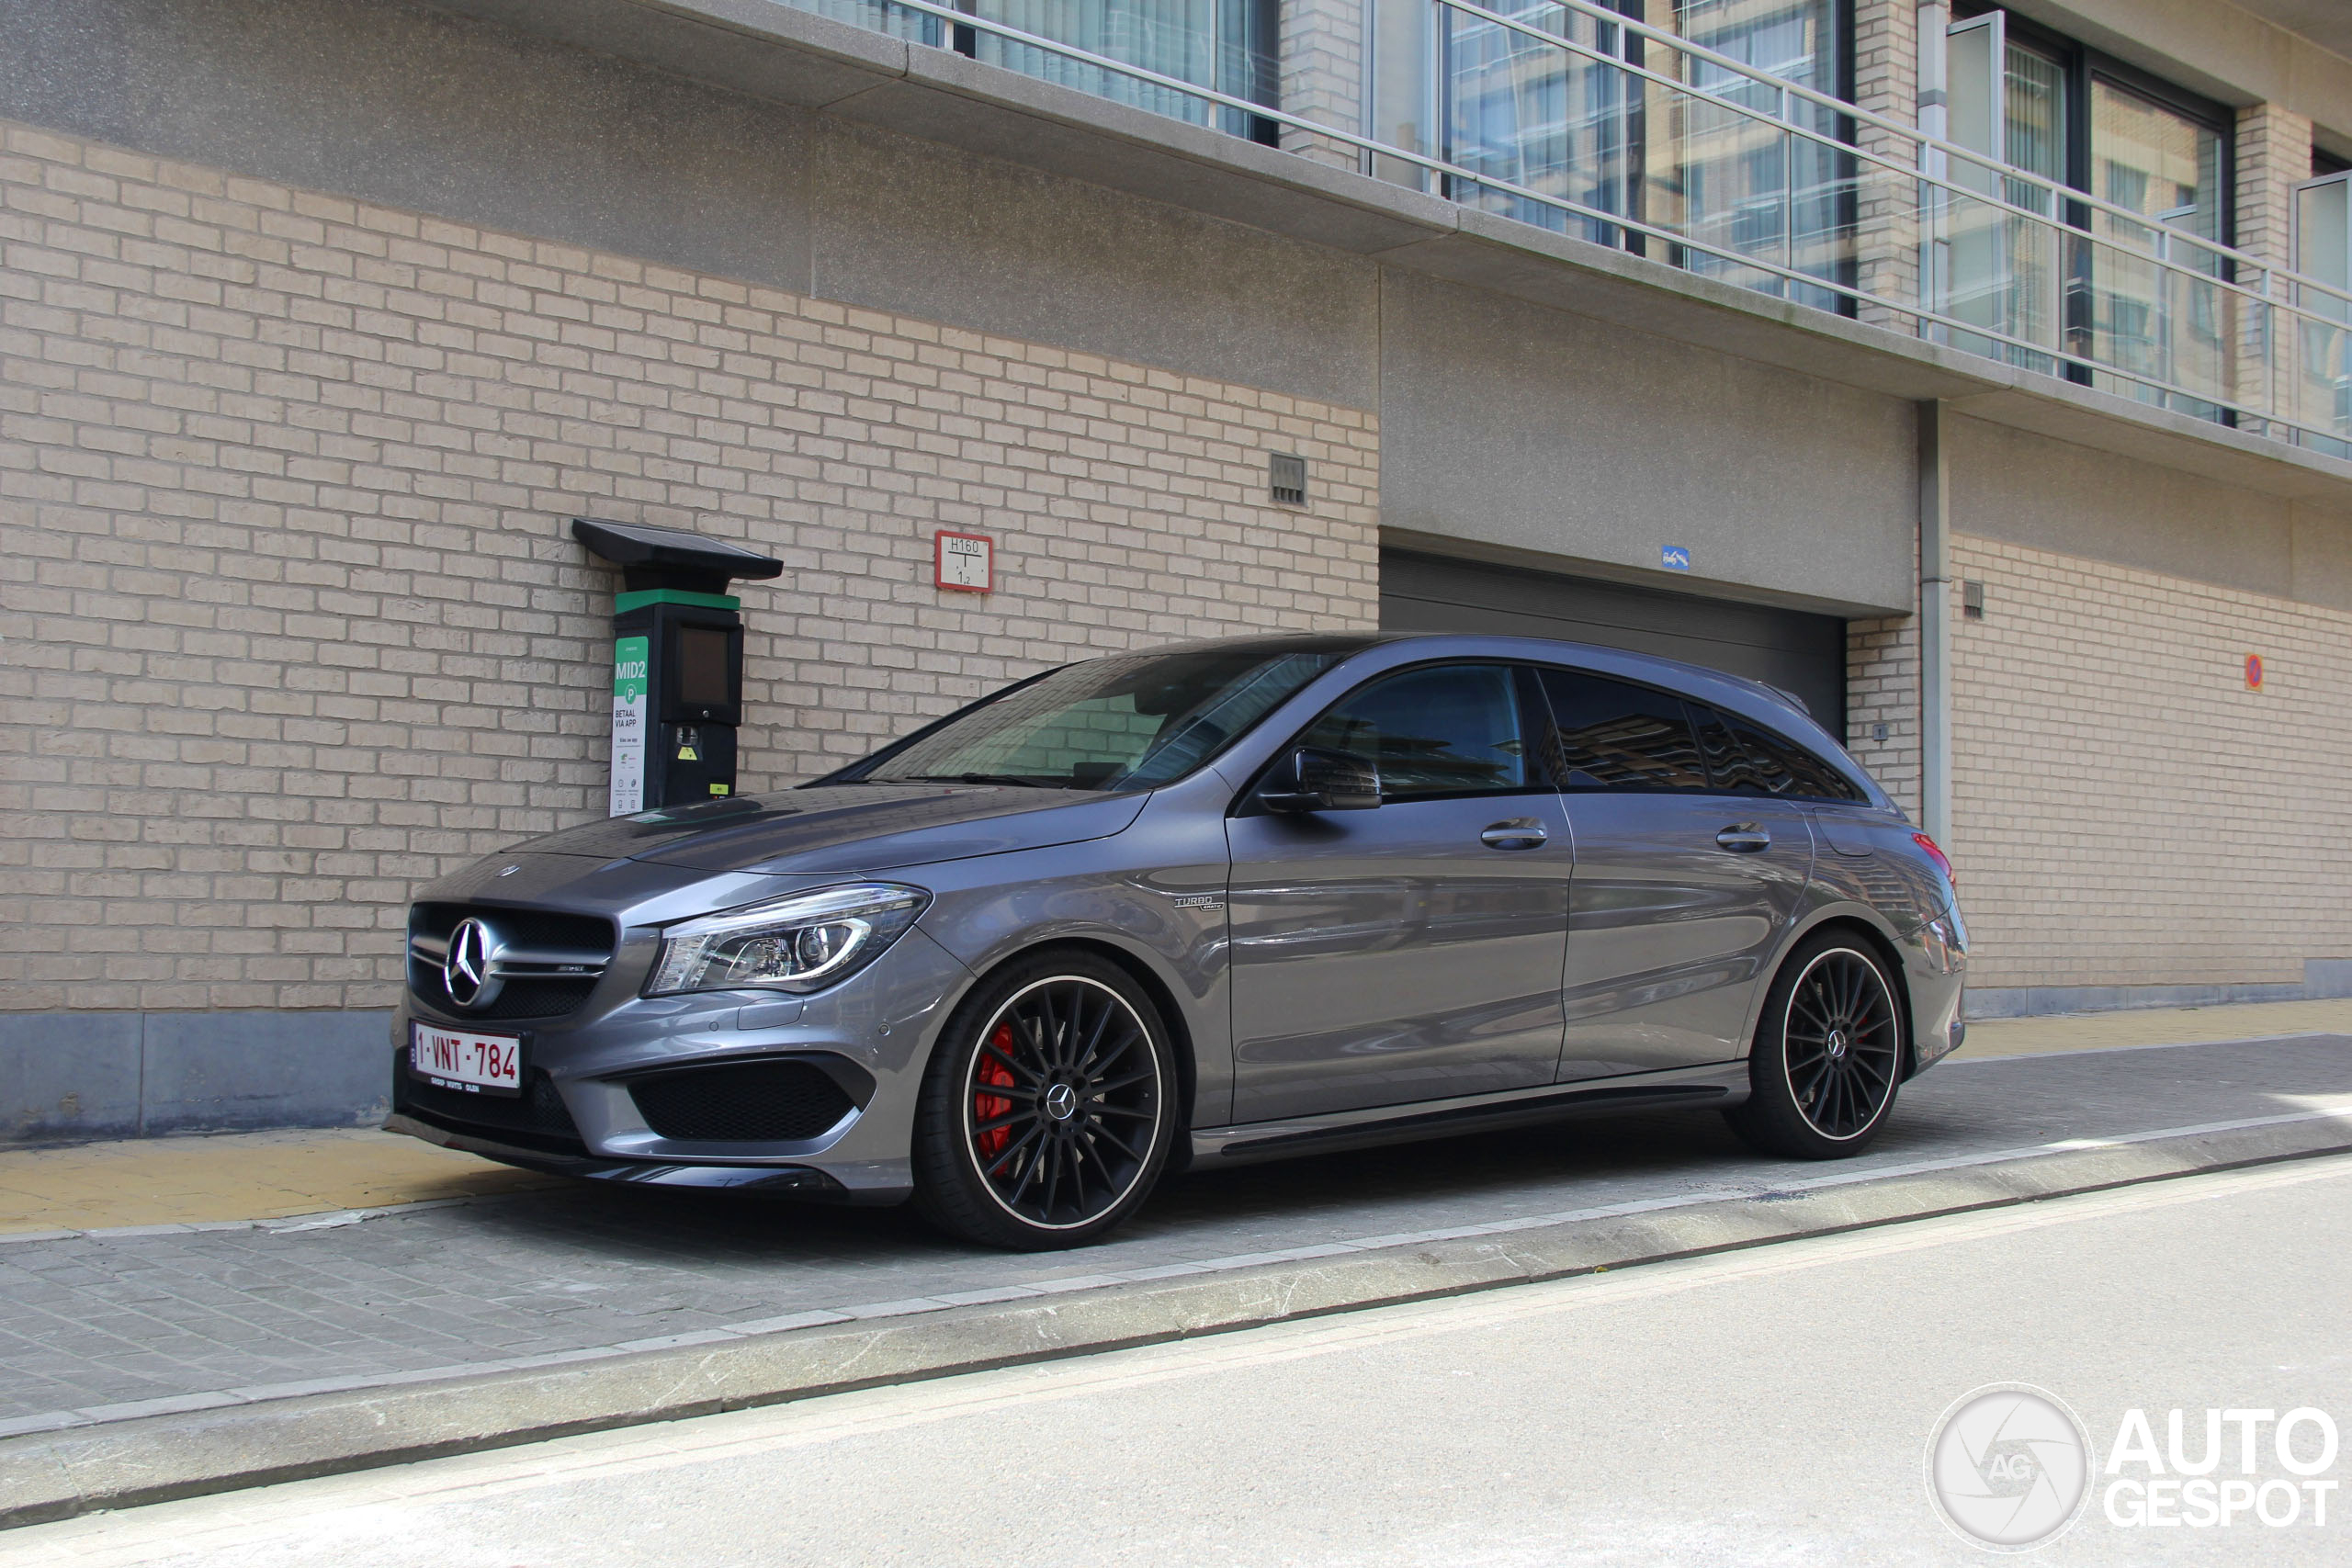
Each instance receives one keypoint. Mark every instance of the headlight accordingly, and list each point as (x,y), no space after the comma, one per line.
(804,943)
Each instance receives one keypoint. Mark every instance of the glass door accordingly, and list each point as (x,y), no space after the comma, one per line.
(2318,380)
(2008,102)
(1529,114)
(1740,184)
(2163,318)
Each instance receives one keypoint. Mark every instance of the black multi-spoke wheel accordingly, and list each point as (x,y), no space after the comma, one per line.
(1047,1111)
(1829,1054)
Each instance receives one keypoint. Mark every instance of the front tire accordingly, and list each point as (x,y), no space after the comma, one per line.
(1828,1054)
(1048,1107)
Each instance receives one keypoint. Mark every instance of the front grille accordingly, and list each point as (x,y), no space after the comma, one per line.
(535,1118)
(531,933)
(742,1102)
(517,998)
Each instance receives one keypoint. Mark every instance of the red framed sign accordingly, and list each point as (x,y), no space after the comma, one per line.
(964,563)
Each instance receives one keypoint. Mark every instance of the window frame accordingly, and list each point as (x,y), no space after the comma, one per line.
(2080,65)
(1535,673)
(1524,688)
(1730,715)
(1692,708)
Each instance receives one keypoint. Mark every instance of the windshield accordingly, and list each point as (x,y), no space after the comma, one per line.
(1132,722)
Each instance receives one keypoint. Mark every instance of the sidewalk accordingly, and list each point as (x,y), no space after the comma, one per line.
(229,1178)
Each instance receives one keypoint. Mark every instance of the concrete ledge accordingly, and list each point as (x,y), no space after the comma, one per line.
(183,1450)
(68,1075)
(2039,1001)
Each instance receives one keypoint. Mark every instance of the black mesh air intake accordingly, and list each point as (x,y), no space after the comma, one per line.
(535,1118)
(742,1102)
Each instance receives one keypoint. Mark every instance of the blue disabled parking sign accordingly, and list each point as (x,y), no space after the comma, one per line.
(1673,557)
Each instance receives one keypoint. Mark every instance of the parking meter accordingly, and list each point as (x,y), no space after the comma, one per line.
(677,661)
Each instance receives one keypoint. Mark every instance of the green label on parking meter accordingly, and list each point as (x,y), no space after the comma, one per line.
(632,657)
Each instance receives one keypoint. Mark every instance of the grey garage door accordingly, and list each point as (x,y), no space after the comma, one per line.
(1793,649)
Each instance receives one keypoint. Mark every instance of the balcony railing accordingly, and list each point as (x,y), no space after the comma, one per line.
(1568,116)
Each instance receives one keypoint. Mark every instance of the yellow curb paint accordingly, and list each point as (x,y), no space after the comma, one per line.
(235,1176)
(2156,1026)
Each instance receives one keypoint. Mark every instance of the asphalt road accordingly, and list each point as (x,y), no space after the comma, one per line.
(1762,1407)
(106,1325)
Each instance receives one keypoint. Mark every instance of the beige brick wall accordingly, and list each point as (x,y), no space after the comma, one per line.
(2274,154)
(2125,812)
(1886,83)
(1323,62)
(1883,688)
(292,620)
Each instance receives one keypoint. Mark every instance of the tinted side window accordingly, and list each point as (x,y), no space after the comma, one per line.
(1452,729)
(1744,760)
(1612,735)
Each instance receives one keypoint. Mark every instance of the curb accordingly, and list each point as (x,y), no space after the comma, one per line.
(57,1475)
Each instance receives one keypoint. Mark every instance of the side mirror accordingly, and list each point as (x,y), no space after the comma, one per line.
(1311,779)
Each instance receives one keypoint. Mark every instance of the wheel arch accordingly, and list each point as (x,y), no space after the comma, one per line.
(1156,989)
(1856,923)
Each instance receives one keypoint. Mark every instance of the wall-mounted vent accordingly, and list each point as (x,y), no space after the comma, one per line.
(1286,478)
(1972,600)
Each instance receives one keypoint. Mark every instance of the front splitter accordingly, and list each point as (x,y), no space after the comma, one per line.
(791,1180)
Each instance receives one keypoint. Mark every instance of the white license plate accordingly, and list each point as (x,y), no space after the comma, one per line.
(454,1058)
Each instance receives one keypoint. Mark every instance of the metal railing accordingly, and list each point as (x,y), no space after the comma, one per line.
(1641,138)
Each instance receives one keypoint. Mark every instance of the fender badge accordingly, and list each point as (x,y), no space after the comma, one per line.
(1200,901)
(508,870)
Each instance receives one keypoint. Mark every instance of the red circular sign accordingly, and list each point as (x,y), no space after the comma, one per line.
(2253,672)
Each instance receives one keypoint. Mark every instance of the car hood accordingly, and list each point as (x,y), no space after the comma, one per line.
(849,828)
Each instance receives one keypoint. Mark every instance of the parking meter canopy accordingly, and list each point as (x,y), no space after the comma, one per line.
(677,661)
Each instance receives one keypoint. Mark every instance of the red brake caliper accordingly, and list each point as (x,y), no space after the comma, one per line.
(987,1107)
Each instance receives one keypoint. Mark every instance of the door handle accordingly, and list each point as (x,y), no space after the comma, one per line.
(1744,838)
(1526,833)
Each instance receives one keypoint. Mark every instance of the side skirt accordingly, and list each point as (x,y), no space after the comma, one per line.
(1716,1085)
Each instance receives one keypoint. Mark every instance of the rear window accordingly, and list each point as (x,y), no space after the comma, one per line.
(1613,735)
(1743,759)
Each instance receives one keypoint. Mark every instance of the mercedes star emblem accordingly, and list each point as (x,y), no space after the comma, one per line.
(466,972)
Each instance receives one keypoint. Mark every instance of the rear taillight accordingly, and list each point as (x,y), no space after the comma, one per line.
(1943,862)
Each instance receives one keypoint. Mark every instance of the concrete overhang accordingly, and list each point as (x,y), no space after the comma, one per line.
(770,51)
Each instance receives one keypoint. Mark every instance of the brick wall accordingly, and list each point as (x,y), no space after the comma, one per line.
(2125,811)
(1323,63)
(2274,154)
(1883,688)
(293,622)
(1886,83)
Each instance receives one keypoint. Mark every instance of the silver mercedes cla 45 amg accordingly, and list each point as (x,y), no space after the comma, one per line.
(1219,902)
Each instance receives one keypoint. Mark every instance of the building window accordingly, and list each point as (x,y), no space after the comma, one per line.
(2321,381)
(1524,113)
(2042,104)
(1229,46)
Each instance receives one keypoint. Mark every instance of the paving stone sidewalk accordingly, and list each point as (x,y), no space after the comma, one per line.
(115,1324)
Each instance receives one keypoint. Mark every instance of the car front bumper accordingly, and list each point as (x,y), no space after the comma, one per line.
(579,1115)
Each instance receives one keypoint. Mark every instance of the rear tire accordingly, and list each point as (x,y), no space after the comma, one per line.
(1828,1056)
(1049,1106)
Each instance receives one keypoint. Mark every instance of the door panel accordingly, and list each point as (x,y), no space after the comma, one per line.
(1669,932)
(1386,956)
(1413,951)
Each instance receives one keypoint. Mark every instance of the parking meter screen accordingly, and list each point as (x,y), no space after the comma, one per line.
(702,668)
